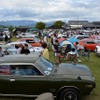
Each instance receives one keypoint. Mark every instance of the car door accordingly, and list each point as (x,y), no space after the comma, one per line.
(26,81)
(5,79)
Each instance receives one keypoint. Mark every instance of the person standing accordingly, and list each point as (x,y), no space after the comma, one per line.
(6,38)
(45,52)
(25,49)
(19,48)
(57,51)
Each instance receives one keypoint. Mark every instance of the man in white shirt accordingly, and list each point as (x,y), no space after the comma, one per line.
(20,48)
(72,56)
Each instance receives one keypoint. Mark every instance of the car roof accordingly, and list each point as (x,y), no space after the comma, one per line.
(20,58)
(82,35)
(25,39)
(17,42)
(88,40)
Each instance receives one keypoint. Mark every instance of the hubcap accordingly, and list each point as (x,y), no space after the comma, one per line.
(70,96)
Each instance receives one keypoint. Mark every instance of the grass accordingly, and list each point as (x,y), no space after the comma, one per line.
(93,64)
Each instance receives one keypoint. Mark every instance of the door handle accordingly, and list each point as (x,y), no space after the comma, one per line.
(12,79)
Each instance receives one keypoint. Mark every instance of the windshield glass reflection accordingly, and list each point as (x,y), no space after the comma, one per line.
(46,65)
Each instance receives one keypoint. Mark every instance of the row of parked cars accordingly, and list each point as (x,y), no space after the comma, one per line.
(34,45)
(88,42)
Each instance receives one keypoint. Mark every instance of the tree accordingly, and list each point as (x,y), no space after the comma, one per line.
(58,24)
(11,28)
(40,25)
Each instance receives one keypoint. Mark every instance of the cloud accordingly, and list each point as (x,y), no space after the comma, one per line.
(48,10)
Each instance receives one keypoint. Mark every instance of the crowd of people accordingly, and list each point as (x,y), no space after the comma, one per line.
(51,41)
(69,53)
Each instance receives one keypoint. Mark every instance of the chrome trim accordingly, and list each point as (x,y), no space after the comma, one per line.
(21,95)
(12,79)
(18,95)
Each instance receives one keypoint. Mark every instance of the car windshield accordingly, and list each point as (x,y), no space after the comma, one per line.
(97,41)
(36,39)
(45,65)
(73,36)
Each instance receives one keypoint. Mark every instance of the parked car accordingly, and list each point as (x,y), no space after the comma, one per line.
(89,44)
(31,48)
(76,38)
(26,35)
(31,75)
(32,41)
(97,50)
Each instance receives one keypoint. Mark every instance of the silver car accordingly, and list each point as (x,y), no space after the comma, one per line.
(13,49)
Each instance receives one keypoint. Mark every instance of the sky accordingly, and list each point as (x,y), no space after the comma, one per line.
(50,10)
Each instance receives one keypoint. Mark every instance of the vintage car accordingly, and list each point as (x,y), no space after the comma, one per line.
(76,38)
(31,75)
(13,48)
(32,41)
(89,44)
(26,35)
(97,50)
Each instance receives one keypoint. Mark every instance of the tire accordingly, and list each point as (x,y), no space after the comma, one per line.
(70,94)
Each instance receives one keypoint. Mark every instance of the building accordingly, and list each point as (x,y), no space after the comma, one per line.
(82,24)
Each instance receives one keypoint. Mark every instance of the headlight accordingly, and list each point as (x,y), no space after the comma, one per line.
(89,86)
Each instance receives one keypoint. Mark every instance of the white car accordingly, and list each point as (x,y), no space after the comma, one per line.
(26,35)
(31,48)
(80,37)
(97,50)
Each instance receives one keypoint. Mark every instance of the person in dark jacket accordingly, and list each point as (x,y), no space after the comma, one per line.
(6,38)
(25,49)
(57,51)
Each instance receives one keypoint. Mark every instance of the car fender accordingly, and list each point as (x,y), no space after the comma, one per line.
(64,87)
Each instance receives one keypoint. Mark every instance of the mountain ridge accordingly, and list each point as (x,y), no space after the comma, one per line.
(22,23)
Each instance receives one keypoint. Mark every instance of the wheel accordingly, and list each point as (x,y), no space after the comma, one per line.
(70,94)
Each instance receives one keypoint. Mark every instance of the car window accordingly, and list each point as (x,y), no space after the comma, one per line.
(90,42)
(86,37)
(97,41)
(73,36)
(36,39)
(24,70)
(30,41)
(4,70)
(80,38)
(46,65)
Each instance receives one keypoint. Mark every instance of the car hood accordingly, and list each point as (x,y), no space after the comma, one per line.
(78,71)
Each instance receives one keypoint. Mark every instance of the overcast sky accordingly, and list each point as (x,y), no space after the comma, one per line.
(50,10)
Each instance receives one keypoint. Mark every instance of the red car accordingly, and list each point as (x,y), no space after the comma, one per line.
(32,41)
(89,44)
